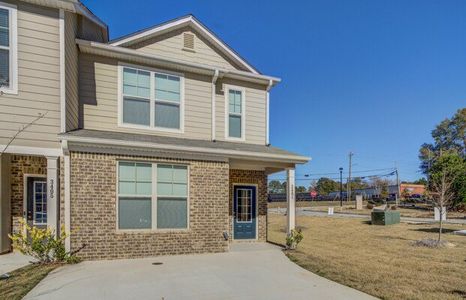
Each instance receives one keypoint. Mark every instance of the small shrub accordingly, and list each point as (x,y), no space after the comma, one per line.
(370,206)
(294,238)
(42,244)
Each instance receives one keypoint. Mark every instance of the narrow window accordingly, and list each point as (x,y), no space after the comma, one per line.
(8,63)
(172,196)
(235,113)
(134,195)
(167,101)
(136,97)
(40,202)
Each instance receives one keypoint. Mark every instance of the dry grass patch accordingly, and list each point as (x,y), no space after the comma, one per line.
(23,280)
(350,208)
(379,260)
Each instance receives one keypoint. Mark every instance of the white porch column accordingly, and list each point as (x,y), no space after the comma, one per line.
(290,199)
(52,193)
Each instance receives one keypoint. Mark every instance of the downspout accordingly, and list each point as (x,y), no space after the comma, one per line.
(267,116)
(214,82)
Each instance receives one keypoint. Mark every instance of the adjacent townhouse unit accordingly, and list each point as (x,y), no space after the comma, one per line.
(150,144)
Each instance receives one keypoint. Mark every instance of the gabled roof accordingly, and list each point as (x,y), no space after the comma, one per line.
(174,24)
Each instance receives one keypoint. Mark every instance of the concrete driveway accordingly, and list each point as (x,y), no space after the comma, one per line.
(248,271)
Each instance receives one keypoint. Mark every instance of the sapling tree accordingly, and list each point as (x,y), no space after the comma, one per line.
(447,167)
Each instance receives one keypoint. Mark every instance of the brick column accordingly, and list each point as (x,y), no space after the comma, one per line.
(5,203)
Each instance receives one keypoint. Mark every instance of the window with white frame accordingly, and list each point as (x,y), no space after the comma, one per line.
(235,113)
(140,190)
(8,40)
(151,99)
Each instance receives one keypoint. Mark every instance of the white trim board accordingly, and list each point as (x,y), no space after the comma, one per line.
(32,150)
(184,21)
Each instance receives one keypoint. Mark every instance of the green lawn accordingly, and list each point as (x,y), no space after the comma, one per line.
(23,280)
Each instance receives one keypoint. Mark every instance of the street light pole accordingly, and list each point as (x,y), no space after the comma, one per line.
(341,187)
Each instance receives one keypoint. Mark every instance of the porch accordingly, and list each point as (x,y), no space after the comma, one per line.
(29,187)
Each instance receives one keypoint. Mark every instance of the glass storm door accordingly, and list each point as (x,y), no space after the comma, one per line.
(244,208)
(36,201)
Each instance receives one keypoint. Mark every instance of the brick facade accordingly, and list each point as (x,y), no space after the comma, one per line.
(93,211)
(258,178)
(21,165)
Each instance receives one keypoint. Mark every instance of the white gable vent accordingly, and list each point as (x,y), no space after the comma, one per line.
(188,41)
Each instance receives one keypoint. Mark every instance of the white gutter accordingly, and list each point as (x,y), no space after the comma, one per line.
(192,149)
(214,82)
(267,114)
(106,49)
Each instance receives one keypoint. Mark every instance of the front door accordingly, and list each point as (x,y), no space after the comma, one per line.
(244,209)
(36,204)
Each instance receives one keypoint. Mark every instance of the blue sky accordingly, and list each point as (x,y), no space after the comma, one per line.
(372,77)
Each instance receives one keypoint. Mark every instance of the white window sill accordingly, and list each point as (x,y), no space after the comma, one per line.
(148,128)
(8,91)
(151,231)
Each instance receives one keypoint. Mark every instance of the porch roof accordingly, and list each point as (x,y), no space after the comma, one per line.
(83,139)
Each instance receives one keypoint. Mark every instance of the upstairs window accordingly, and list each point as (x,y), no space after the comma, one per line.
(8,55)
(235,116)
(151,99)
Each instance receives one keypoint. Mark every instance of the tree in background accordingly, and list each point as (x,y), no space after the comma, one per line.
(381,186)
(444,174)
(449,135)
(277,187)
(326,185)
(301,189)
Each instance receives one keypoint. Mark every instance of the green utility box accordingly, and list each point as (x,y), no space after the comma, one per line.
(382,217)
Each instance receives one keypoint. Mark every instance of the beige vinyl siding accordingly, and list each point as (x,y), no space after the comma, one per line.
(255,111)
(71,72)
(99,95)
(90,31)
(170,45)
(38,80)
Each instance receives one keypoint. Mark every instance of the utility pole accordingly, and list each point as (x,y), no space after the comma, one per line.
(348,187)
(397,202)
(341,188)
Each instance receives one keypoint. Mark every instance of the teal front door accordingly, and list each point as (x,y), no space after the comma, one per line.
(244,209)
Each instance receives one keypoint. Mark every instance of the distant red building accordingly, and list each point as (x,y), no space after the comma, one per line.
(412,189)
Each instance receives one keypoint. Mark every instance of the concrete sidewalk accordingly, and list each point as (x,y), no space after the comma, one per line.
(307,211)
(12,261)
(248,271)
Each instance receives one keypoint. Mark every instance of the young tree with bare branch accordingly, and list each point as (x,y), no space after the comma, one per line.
(21,129)
(443,174)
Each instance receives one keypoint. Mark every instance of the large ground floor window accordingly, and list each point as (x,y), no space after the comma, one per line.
(152,196)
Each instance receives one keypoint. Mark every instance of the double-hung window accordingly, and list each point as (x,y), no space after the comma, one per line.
(8,46)
(235,115)
(152,196)
(151,99)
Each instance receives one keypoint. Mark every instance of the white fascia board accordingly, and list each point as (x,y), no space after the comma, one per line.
(32,150)
(182,22)
(211,151)
(131,54)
